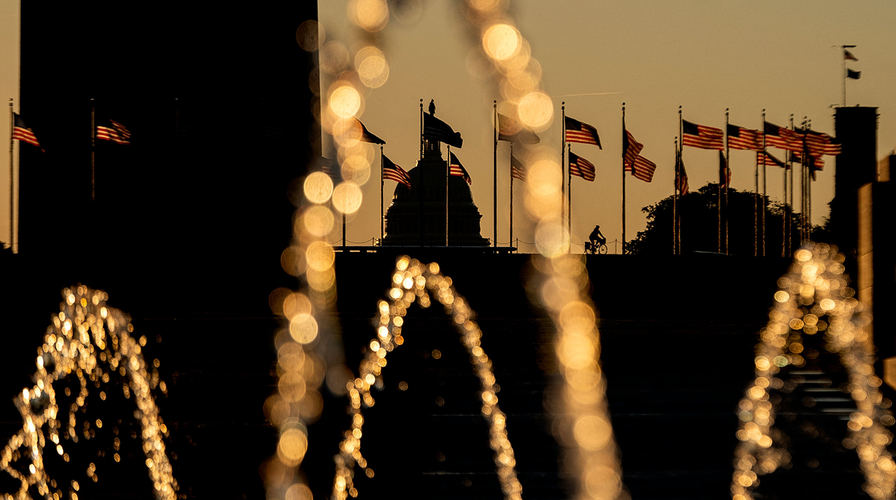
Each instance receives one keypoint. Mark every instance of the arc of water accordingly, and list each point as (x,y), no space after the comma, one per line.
(91,341)
(814,297)
(412,282)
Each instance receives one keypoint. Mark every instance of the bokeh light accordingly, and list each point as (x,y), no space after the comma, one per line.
(344,100)
(303,328)
(318,220)
(419,281)
(87,341)
(347,197)
(536,110)
(310,35)
(292,447)
(371,15)
(318,187)
(334,57)
(501,41)
(372,68)
(356,170)
(813,297)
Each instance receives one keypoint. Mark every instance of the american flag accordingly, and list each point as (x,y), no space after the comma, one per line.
(393,171)
(511,130)
(820,144)
(782,138)
(815,164)
(577,131)
(766,158)
(682,177)
(437,130)
(517,170)
(366,136)
(630,147)
(21,132)
(724,171)
(114,131)
(744,138)
(581,167)
(641,168)
(458,170)
(701,136)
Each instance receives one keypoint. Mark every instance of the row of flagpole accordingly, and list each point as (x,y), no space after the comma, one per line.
(690,134)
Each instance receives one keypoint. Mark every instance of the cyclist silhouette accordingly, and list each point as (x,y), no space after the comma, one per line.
(598,242)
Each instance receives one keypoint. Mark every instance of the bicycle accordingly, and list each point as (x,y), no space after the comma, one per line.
(594,248)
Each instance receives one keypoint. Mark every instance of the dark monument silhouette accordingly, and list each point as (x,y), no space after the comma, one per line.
(416,216)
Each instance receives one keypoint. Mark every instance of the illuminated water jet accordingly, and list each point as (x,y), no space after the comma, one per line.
(91,342)
(814,298)
(412,282)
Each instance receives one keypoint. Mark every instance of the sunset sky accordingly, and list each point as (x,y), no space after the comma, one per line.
(653,55)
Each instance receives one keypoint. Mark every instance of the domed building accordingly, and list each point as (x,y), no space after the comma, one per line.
(416,216)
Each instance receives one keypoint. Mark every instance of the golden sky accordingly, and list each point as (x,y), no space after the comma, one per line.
(654,55)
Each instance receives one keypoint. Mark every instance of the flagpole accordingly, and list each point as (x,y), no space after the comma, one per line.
(811,166)
(721,178)
(382,215)
(562,162)
(447,179)
(675,191)
(624,138)
(756,195)
(784,222)
(843,58)
(92,150)
(677,222)
(569,199)
(764,194)
(790,205)
(725,173)
(495,160)
(421,133)
(511,194)
(803,233)
(12,186)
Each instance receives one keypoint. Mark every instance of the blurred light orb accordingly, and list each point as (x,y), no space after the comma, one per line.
(371,15)
(299,491)
(347,197)
(320,256)
(310,35)
(356,169)
(291,357)
(373,70)
(292,447)
(551,239)
(536,110)
(334,57)
(292,260)
(602,482)
(591,432)
(303,328)
(545,178)
(292,386)
(318,220)
(318,187)
(345,101)
(501,41)
(487,6)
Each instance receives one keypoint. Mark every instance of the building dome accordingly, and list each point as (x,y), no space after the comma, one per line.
(417,216)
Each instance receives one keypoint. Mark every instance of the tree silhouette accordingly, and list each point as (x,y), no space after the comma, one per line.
(698,213)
